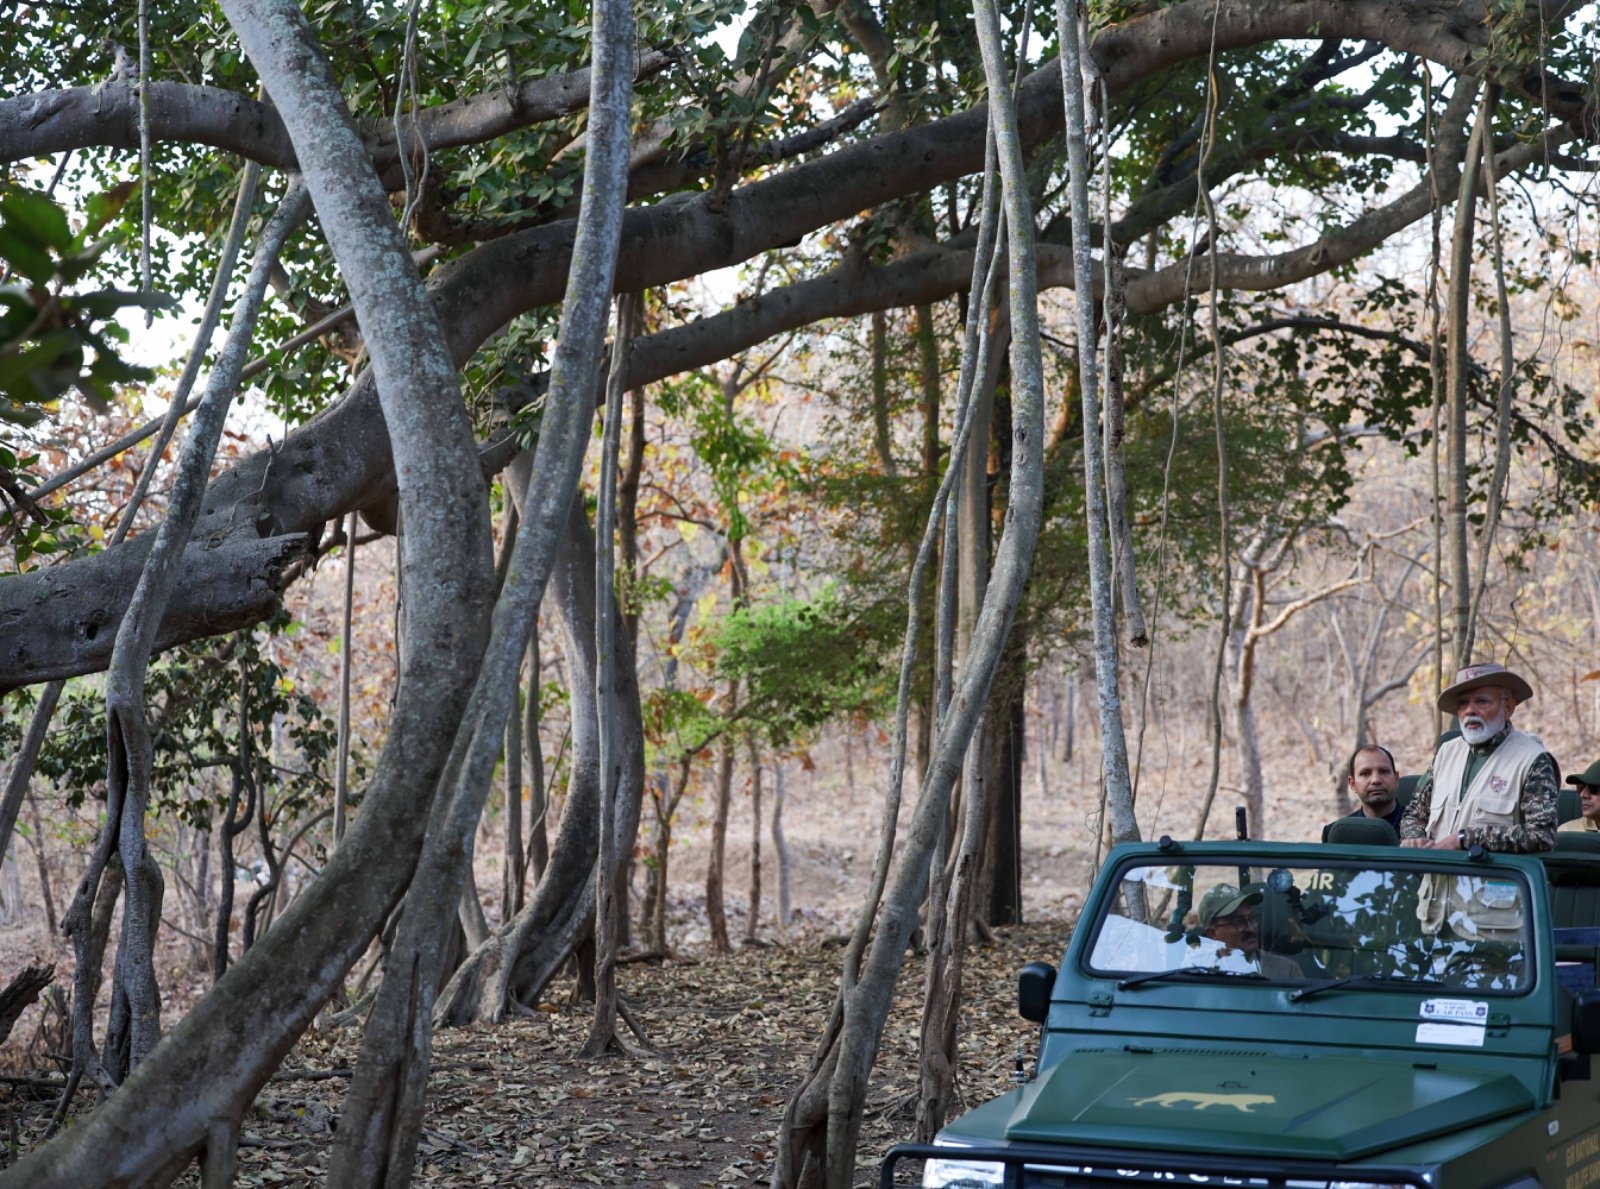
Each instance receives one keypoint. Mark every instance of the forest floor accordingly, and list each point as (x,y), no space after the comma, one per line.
(514,1105)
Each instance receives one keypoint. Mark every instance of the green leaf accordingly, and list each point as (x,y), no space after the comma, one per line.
(40,217)
(105,206)
(24,253)
(50,349)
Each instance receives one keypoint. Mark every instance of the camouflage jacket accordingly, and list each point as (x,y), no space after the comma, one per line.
(1536,809)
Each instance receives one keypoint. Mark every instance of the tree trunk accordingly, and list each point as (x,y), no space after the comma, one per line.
(1245,617)
(632,599)
(538,796)
(513,859)
(1458,363)
(656,886)
(537,849)
(378,1136)
(716,917)
(24,762)
(1004,867)
(822,1119)
(880,392)
(341,771)
(1125,577)
(11,905)
(780,848)
(234,1037)
(941,1007)
(1069,735)
(1071,24)
(129,746)
(41,860)
(523,954)
(610,904)
(666,806)
(753,917)
(234,822)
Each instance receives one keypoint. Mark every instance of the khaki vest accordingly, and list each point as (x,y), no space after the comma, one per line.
(1495,797)
(1475,907)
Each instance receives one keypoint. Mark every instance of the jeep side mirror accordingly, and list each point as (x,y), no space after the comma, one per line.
(1586,1021)
(1037,979)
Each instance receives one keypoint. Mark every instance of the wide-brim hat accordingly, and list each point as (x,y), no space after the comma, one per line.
(1589,776)
(1478,676)
(1224,899)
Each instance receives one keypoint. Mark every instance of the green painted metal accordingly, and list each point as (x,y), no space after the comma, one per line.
(1274,1077)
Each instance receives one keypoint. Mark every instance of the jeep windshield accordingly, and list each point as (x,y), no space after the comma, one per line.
(1338,926)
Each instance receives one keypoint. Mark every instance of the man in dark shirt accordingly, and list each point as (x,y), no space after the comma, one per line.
(1373,781)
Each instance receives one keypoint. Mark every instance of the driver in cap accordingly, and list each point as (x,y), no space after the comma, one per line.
(1227,915)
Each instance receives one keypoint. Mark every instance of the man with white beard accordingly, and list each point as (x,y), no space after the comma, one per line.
(1495,786)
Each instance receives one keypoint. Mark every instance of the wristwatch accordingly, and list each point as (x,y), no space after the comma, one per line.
(1461,839)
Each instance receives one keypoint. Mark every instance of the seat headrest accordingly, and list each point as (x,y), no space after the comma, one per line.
(1361,831)
(1580,840)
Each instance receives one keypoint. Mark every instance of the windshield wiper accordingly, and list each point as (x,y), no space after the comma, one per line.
(1185,972)
(1350,980)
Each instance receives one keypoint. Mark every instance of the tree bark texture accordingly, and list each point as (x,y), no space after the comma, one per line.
(780,848)
(1004,864)
(609,914)
(716,913)
(341,772)
(382,1120)
(1458,363)
(823,1118)
(136,1002)
(538,844)
(521,957)
(753,917)
(513,858)
(62,621)
(222,1052)
(20,773)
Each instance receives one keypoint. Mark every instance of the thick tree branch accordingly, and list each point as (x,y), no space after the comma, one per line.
(108,116)
(63,621)
(1452,33)
(340,461)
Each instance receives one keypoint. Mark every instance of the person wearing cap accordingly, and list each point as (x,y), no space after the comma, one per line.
(1588,784)
(1494,786)
(1227,915)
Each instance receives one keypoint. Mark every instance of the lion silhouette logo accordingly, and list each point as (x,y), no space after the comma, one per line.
(1200,1100)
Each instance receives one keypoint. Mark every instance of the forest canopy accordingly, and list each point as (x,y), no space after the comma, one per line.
(919,347)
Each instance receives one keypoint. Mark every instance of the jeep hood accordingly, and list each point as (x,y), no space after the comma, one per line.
(1321,1109)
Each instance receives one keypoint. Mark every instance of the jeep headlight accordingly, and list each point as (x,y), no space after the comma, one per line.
(962,1174)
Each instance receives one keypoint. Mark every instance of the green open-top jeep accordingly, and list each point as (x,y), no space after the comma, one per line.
(1269,1014)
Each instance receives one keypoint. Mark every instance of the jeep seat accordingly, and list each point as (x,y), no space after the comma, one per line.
(1573,869)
